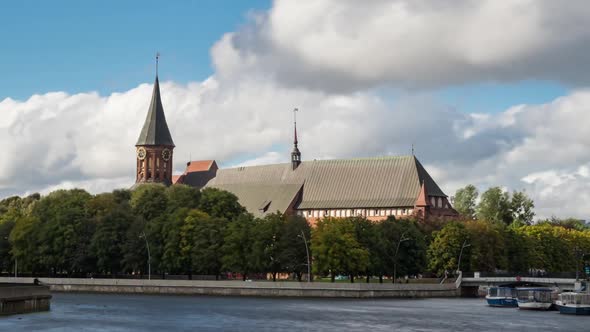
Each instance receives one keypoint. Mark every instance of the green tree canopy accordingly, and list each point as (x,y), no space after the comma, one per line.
(465,201)
(522,207)
(220,204)
(336,249)
(182,196)
(402,247)
(149,201)
(237,246)
(495,206)
(444,250)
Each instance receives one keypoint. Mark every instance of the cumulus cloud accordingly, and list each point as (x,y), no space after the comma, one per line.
(60,140)
(339,45)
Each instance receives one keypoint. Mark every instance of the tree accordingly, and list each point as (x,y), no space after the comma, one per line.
(107,241)
(207,243)
(336,248)
(149,201)
(26,247)
(401,247)
(182,196)
(65,234)
(220,204)
(237,245)
(6,259)
(173,260)
(569,223)
(488,248)
(135,256)
(292,253)
(518,248)
(444,250)
(266,237)
(495,206)
(522,207)
(366,232)
(465,201)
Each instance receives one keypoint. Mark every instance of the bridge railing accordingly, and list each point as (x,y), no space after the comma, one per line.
(532,274)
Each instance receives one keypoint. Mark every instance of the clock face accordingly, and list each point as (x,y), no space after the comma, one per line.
(141,153)
(166,154)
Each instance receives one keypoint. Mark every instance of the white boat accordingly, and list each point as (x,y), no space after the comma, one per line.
(573,303)
(501,297)
(534,298)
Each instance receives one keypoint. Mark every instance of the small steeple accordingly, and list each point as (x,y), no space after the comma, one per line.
(155,129)
(295,154)
(422,200)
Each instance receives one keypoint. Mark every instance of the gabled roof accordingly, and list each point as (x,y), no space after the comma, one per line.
(199,165)
(327,184)
(155,129)
(262,199)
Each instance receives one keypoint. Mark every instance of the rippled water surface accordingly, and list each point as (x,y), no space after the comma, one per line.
(102,312)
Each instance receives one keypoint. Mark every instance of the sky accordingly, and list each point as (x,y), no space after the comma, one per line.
(490,93)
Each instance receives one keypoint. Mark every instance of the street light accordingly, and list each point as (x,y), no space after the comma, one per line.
(465,245)
(402,238)
(142,235)
(307,252)
(579,256)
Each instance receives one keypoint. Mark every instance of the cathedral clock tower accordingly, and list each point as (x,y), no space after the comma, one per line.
(154,147)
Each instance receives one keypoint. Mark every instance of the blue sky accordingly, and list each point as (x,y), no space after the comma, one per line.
(107,46)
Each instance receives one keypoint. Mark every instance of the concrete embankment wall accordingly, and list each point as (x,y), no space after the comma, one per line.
(240,288)
(23,298)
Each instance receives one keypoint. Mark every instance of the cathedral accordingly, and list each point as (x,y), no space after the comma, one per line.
(374,188)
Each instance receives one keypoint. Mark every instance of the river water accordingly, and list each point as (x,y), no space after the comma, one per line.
(107,312)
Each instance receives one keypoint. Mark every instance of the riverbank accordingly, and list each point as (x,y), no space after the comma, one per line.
(241,288)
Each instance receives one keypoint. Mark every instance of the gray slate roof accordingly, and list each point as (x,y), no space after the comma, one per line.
(329,184)
(155,129)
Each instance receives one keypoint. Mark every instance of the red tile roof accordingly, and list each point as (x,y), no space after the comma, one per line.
(198,166)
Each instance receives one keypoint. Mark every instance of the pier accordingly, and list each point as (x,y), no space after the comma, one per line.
(20,298)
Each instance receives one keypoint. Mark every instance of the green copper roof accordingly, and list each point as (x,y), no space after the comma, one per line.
(350,183)
(155,129)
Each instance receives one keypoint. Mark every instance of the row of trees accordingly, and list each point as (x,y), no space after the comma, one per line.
(186,230)
(208,233)
(495,205)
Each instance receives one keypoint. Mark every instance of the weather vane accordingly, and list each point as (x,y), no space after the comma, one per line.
(295,110)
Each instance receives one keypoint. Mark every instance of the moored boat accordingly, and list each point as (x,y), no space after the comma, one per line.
(534,298)
(501,297)
(573,303)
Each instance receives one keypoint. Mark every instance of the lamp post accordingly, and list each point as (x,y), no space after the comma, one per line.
(307,252)
(465,245)
(402,238)
(579,257)
(142,235)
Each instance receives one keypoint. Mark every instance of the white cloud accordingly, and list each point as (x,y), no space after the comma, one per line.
(342,45)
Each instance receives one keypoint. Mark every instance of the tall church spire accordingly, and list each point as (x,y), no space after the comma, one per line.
(295,154)
(154,145)
(155,129)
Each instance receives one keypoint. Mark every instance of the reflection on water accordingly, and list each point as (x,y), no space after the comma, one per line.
(106,312)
